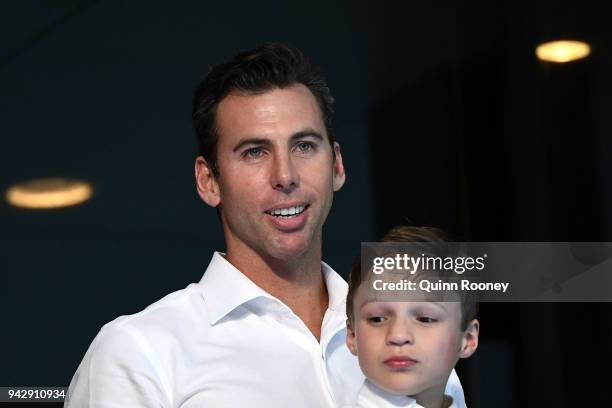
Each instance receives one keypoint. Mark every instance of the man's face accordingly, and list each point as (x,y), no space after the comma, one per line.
(408,348)
(276,172)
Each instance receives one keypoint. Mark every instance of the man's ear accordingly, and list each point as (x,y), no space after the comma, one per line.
(469,342)
(339,174)
(206,183)
(350,338)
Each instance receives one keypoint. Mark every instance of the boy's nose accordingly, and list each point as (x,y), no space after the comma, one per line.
(400,334)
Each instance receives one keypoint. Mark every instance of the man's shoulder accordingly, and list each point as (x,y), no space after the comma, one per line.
(135,349)
(166,315)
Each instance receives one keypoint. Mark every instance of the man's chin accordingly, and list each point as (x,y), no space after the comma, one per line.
(289,249)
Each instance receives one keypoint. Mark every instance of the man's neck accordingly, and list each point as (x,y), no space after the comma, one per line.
(299,284)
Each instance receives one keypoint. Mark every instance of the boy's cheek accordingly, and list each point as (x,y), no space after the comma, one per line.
(450,350)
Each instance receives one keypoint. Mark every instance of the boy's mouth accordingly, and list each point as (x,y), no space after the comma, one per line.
(400,362)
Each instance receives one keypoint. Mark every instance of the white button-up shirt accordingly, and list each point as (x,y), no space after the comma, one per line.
(223,342)
(370,396)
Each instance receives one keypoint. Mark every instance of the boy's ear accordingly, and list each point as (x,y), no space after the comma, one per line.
(350,338)
(469,342)
(206,183)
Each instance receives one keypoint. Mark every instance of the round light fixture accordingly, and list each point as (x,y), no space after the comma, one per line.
(49,193)
(562,51)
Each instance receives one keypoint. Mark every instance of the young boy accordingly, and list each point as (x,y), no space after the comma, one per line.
(407,349)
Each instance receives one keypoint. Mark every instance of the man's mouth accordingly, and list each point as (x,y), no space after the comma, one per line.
(287,212)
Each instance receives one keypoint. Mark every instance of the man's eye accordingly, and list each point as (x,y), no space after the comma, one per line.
(253,152)
(376,319)
(304,147)
(425,319)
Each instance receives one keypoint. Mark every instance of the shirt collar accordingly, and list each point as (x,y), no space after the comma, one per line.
(337,289)
(372,396)
(225,288)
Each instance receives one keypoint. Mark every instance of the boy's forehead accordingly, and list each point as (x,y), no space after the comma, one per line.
(400,286)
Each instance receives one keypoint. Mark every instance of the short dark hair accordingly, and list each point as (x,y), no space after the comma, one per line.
(403,233)
(255,71)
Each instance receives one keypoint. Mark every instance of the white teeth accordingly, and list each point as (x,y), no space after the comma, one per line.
(288,211)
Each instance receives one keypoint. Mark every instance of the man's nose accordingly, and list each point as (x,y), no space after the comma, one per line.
(400,333)
(284,175)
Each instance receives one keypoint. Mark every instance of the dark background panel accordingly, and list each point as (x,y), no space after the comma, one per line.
(492,145)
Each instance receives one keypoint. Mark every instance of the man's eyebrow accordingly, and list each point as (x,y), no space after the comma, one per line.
(263,141)
(259,141)
(307,133)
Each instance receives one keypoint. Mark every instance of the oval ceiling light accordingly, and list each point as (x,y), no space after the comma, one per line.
(49,193)
(562,51)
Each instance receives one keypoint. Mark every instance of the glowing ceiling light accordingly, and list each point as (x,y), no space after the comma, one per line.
(48,193)
(562,51)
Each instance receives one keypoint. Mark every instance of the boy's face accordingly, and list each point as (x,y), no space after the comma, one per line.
(409,348)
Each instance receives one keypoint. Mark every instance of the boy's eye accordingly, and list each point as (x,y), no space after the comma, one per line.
(425,319)
(253,152)
(376,319)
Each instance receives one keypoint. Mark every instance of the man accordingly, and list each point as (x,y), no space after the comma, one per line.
(265,327)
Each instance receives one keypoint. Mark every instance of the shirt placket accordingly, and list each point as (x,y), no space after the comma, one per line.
(332,324)
(297,331)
